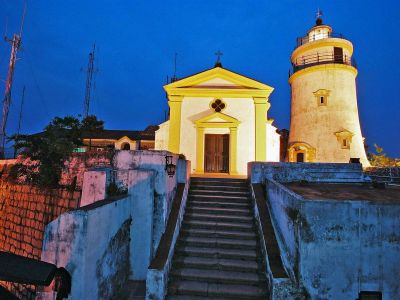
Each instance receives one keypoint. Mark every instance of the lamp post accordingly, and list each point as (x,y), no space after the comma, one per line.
(169,166)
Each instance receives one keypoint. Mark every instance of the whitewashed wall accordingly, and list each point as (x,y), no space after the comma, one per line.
(194,108)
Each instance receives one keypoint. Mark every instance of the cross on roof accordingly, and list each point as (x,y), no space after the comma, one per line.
(218,54)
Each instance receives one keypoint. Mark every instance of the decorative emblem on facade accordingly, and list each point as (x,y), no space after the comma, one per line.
(218,105)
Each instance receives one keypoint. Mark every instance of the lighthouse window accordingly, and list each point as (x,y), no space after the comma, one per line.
(345,143)
(321,96)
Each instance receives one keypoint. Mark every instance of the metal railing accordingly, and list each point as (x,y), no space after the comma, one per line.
(382,174)
(319,36)
(303,62)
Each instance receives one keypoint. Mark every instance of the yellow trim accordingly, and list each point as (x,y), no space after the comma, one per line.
(233,151)
(300,147)
(200,150)
(219,92)
(344,135)
(329,42)
(322,93)
(261,107)
(227,122)
(175,105)
(323,67)
(217,73)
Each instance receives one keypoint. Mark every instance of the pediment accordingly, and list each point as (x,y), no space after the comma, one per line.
(217,119)
(124,139)
(217,78)
(217,82)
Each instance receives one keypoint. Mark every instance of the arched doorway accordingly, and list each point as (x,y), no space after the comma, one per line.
(125,146)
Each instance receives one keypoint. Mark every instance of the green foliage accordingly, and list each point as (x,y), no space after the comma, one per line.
(380,159)
(48,151)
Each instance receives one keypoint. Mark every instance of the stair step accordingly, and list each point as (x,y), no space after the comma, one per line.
(206,289)
(214,233)
(219,211)
(219,187)
(216,263)
(216,276)
(210,191)
(217,203)
(218,225)
(218,242)
(217,252)
(192,297)
(231,199)
(220,179)
(218,218)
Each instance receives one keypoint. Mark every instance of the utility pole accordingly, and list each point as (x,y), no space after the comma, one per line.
(89,77)
(20,111)
(15,45)
(20,118)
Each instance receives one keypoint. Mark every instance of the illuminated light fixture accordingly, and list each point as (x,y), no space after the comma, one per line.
(169,166)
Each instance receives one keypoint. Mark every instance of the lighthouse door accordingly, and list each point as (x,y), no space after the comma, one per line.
(338,55)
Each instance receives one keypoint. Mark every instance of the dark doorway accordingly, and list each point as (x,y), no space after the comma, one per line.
(338,55)
(126,146)
(300,157)
(217,153)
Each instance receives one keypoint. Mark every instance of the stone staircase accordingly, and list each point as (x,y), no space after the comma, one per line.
(217,253)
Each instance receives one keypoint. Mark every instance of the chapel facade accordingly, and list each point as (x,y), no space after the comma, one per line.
(218,120)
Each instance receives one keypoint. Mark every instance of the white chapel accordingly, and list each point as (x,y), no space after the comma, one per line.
(218,120)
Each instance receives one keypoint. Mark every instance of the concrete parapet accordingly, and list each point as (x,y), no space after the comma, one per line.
(311,172)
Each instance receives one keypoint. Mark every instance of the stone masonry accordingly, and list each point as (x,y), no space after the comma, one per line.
(24,213)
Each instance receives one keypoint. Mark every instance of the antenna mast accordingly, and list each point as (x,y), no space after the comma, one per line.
(20,111)
(15,45)
(90,70)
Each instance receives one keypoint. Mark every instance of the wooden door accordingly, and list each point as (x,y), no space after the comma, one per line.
(217,153)
(300,157)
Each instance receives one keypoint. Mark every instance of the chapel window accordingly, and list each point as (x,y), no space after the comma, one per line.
(218,105)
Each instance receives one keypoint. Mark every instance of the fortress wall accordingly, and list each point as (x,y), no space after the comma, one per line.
(24,213)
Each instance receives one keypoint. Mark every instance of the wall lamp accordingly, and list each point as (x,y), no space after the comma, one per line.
(169,166)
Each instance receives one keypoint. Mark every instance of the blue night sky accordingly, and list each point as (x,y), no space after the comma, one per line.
(136,42)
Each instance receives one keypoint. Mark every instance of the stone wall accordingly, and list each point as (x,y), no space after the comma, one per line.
(79,163)
(258,172)
(164,186)
(106,243)
(24,213)
(358,239)
(350,246)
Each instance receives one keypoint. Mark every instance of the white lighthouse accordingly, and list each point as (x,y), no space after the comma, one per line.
(324,125)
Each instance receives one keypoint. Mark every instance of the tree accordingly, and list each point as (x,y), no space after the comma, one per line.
(380,159)
(48,150)
(90,126)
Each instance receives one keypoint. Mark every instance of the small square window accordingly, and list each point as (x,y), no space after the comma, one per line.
(322,96)
(345,143)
